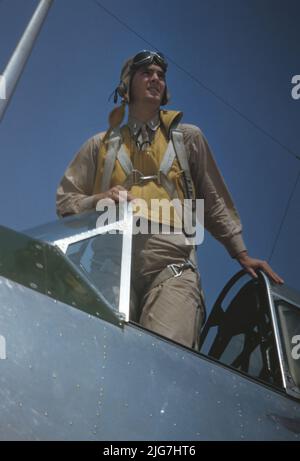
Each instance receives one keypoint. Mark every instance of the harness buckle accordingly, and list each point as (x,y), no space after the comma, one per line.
(148,178)
(158,177)
(177,269)
(138,178)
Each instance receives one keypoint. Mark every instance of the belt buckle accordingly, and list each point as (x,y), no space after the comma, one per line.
(177,269)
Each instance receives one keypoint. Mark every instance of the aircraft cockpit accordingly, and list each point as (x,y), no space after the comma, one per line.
(254,327)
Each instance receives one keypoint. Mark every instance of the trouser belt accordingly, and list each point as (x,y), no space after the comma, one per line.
(172,270)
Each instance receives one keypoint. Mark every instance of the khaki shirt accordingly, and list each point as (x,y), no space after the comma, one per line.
(221,219)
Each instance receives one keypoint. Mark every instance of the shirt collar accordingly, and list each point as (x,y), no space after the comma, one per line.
(135,124)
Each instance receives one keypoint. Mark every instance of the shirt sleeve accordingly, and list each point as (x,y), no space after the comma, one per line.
(221,218)
(74,193)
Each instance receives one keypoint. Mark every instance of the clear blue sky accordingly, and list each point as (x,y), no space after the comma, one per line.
(231,65)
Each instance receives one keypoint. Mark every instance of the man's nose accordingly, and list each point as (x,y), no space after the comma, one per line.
(154,77)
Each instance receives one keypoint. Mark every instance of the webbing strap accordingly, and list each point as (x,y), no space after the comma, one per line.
(172,270)
(124,160)
(110,159)
(135,177)
(165,165)
(175,149)
(164,169)
(168,159)
(177,137)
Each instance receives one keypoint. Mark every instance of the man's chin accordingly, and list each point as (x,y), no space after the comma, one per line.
(153,99)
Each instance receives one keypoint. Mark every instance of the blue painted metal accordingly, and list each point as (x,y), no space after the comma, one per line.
(70,375)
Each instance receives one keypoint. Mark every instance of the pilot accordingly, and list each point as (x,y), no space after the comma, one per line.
(155,156)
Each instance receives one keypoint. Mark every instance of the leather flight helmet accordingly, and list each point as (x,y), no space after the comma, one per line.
(143,58)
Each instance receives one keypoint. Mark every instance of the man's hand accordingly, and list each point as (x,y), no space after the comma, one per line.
(251,265)
(116,194)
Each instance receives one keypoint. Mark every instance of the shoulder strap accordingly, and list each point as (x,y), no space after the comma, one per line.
(114,142)
(164,169)
(168,159)
(181,153)
(124,160)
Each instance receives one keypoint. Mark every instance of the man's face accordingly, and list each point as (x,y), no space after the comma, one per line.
(148,85)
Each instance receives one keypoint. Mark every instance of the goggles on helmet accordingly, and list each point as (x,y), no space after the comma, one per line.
(145,58)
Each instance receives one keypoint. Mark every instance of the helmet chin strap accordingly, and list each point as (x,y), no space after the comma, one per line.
(116,96)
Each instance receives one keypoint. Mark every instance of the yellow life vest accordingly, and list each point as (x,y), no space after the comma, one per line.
(146,163)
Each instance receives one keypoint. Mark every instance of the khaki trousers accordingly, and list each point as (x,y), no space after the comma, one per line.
(175,308)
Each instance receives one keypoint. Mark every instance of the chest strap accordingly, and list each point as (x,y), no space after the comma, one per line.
(135,177)
(175,150)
